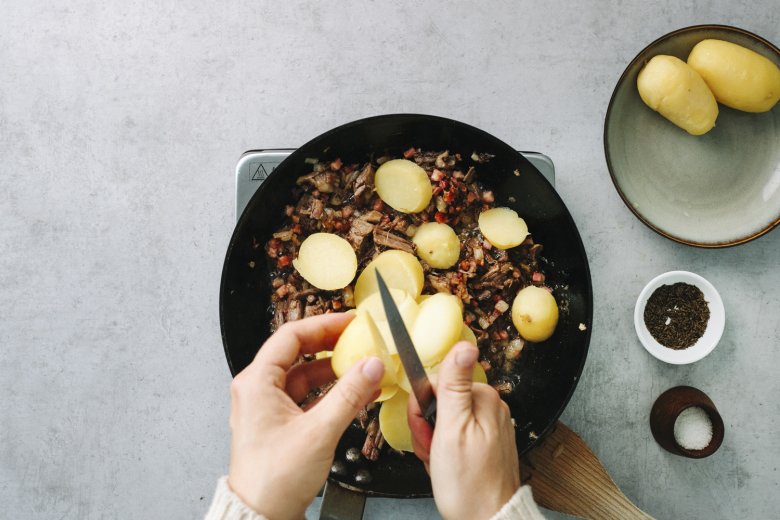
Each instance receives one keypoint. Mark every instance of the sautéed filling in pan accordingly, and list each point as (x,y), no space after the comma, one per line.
(326,185)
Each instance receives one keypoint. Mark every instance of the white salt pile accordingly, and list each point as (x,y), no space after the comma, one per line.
(693,429)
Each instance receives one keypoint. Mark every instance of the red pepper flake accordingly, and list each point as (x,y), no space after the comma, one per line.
(437,175)
(336,305)
(378,205)
(283,261)
(409,153)
(488,197)
(440,217)
(296,228)
(465,265)
(336,165)
(471,197)
(437,190)
(449,196)
(537,277)
(339,225)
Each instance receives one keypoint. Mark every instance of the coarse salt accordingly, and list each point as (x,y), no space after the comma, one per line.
(693,429)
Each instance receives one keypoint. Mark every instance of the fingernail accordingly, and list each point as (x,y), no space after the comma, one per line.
(465,357)
(373,369)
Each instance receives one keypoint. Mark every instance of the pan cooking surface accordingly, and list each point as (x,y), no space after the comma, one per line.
(547,373)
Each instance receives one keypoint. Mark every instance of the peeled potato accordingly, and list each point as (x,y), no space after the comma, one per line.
(672,88)
(437,244)
(424,297)
(407,307)
(403,185)
(394,424)
(400,270)
(739,78)
(326,261)
(535,313)
(361,339)
(437,327)
(502,227)
(466,334)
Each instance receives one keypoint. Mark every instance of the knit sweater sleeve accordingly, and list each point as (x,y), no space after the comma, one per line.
(227,506)
(520,507)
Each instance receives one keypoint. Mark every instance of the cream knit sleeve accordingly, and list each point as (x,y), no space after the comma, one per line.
(520,507)
(227,506)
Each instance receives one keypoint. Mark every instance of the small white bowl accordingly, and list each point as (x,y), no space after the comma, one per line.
(712,333)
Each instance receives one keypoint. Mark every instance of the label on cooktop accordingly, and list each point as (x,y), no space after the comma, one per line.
(259,171)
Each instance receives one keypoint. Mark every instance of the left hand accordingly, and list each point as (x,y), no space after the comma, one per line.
(280,454)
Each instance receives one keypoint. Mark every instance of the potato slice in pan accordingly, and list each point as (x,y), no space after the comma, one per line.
(400,270)
(326,261)
(437,244)
(361,339)
(466,334)
(394,424)
(502,227)
(403,185)
(437,327)
(424,297)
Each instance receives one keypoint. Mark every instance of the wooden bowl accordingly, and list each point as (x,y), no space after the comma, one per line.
(668,407)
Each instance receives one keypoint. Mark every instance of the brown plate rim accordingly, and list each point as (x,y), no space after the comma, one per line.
(705,245)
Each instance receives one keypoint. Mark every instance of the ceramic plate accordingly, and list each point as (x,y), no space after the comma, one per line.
(716,190)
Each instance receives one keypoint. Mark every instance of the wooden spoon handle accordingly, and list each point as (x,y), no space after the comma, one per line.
(566,476)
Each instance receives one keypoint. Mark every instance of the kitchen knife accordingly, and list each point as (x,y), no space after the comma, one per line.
(421,386)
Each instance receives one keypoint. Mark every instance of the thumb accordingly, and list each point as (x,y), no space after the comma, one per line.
(454,386)
(349,395)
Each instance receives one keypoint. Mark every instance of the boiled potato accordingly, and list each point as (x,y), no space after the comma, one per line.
(739,78)
(535,313)
(394,424)
(437,327)
(407,307)
(361,339)
(676,91)
(502,227)
(466,334)
(326,261)
(401,377)
(437,244)
(400,270)
(424,297)
(403,185)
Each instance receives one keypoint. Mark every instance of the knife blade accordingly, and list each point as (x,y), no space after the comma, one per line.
(421,385)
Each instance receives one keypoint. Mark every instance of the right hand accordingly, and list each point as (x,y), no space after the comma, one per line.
(471,455)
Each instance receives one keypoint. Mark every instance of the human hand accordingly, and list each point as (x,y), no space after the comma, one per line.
(280,455)
(471,455)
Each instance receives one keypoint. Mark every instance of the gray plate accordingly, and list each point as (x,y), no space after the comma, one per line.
(715,190)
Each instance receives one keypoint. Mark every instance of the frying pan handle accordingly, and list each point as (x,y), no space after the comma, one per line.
(340,503)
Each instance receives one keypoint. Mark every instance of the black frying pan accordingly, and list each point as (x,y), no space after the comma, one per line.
(547,373)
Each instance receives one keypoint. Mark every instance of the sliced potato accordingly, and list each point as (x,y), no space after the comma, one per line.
(535,313)
(403,185)
(324,354)
(502,227)
(326,261)
(437,328)
(424,297)
(466,334)
(407,306)
(403,379)
(740,78)
(437,244)
(386,393)
(400,270)
(672,88)
(394,424)
(361,339)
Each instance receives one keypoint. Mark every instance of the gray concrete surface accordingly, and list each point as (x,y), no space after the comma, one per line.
(120,125)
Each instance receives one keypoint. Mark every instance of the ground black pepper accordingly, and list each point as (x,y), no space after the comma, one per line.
(677,315)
